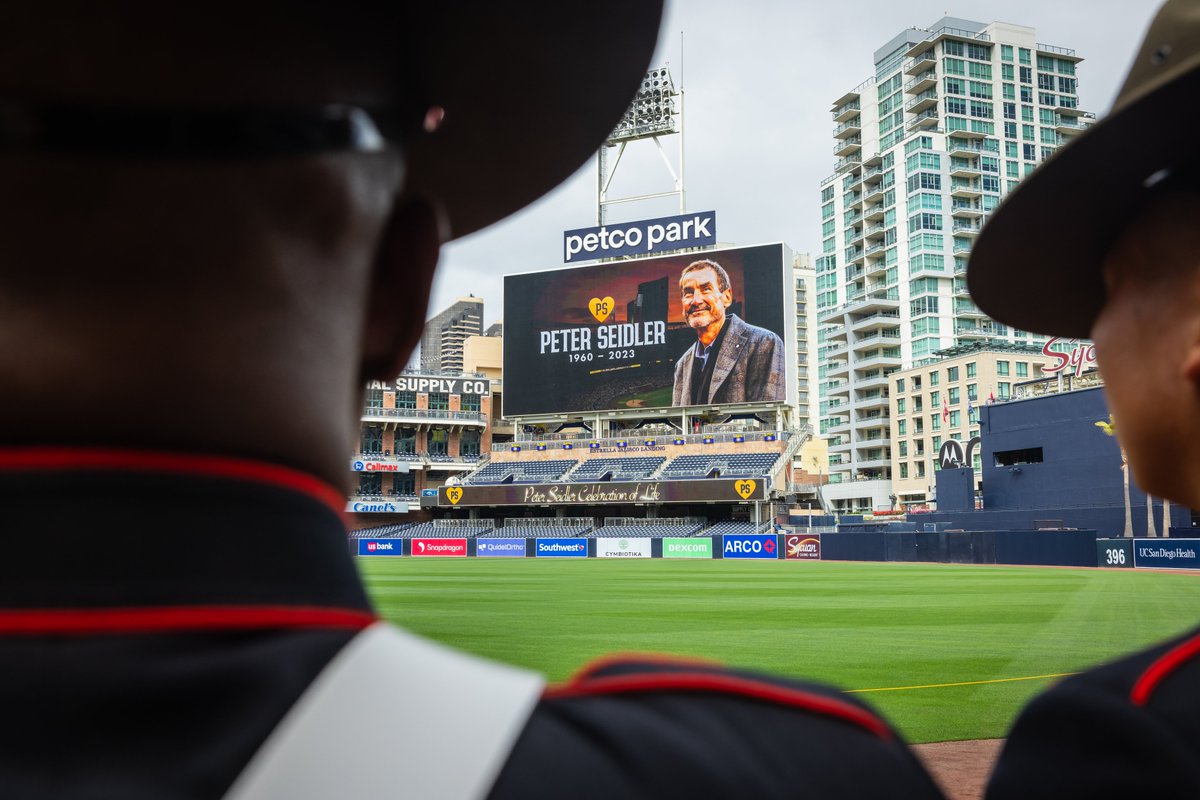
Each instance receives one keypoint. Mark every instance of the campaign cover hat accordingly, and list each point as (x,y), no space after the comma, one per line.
(530,91)
(1037,262)
(498,102)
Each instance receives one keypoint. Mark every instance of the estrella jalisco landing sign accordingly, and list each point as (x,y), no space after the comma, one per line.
(707,490)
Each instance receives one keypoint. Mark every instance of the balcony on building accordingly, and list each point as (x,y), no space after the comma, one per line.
(867,467)
(881,299)
(926,99)
(840,446)
(855,255)
(872,174)
(874,232)
(966,308)
(1068,106)
(844,147)
(963,188)
(925,80)
(959,147)
(920,62)
(872,398)
(966,209)
(961,247)
(425,416)
(875,321)
(926,119)
(968,330)
(846,163)
(835,368)
(960,288)
(834,389)
(874,213)
(846,107)
(964,168)
(852,127)
(962,227)
(853,200)
(839,425)
(880,358)
(1072,125)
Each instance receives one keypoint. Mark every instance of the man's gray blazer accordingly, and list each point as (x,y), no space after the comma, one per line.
(749,368)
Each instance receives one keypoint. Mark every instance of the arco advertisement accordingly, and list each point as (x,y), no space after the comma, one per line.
(749,545)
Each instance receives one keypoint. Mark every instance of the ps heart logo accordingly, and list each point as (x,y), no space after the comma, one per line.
(601,309)
(744,488)
(454,494)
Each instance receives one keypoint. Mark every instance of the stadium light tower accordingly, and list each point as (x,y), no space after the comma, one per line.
(656,113)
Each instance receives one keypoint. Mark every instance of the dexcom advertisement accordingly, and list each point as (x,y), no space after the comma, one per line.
(703,328)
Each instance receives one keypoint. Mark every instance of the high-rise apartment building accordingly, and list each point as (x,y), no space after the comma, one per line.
(442,341)
(952,119)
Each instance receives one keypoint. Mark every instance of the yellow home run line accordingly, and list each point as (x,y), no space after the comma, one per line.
(962,683)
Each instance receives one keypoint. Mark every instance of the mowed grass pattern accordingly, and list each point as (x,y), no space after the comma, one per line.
(858,626)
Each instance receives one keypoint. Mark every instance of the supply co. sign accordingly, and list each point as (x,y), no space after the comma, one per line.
(639,238)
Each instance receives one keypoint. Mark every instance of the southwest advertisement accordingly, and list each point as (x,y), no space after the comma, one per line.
(706,328)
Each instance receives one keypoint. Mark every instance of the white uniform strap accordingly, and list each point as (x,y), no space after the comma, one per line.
(394,715)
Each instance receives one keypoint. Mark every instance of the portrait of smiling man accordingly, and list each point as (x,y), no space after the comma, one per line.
(732,361)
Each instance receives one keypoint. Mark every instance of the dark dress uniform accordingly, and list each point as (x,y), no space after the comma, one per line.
(1123,730)
(161,613)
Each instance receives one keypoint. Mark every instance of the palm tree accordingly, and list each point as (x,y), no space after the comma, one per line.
(1109,428)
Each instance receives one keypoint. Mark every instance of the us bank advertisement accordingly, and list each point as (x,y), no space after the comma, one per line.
(698,329)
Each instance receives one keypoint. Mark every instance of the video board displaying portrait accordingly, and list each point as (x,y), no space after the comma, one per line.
(695,329)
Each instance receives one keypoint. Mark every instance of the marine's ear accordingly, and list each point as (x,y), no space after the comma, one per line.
(399,291)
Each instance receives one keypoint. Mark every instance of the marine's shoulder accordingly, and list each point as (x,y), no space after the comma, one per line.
(653,727)
(1130,727)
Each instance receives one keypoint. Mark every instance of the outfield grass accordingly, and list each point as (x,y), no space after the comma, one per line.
(860,626)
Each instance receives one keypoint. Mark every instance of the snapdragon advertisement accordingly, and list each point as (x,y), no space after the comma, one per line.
(703,328)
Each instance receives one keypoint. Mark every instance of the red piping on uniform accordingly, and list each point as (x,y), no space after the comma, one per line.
(729,684)
(634,659)
(82,621)
(1167,663)
(28,459)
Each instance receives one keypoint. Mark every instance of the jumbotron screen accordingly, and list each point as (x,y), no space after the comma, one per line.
(697,329)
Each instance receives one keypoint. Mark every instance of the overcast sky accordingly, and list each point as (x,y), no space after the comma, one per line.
(759,78)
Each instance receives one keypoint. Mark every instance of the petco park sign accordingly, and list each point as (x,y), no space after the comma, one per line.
(636,238)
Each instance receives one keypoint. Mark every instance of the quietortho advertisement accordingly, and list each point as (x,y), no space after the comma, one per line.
(697,329)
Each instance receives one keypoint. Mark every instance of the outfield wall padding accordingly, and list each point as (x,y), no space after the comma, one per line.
(1049,548)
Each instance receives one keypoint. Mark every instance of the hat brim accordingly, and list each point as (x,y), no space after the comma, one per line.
(1037,263)
(528,97)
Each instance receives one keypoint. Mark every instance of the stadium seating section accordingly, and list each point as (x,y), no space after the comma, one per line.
(559,528)
(616,469)
(727,465)
(663,529)
(521,472)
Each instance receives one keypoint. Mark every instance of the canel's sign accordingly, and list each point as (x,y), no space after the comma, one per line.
(1080,358)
